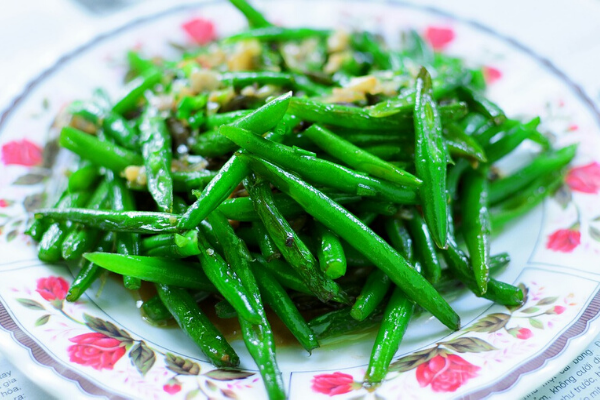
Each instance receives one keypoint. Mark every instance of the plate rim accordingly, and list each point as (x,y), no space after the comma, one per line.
(23,344)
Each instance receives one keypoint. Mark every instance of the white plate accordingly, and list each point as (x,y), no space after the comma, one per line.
(497,350)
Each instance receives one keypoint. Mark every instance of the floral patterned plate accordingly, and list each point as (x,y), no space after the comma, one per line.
(99,346)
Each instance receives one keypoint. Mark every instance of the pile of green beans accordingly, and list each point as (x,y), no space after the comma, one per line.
(264,187)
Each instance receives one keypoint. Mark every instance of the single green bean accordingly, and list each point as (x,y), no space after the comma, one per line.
(266,245)
(135,90)
(278,299)
(255,18)
(482,105)
(101,153)
(330,252)
(425,249)
(277,33)
(84,177)
(476,227)
(371,295)
(156,149)
(339,322)
(155,310)
(284,274)
(197,326)
(430,160)
(152,269)
(89,271)
(396,317)
(544,164)
(117,221)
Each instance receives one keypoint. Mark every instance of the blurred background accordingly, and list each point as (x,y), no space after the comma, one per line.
(35,33)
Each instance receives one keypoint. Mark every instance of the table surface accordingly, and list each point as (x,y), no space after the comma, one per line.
(35,33)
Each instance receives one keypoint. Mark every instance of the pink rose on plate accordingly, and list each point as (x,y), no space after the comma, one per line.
(21,152)
(200,30)
(52,288)
(446,373)
(439,37)
(334,384)
(564,240)
(96,350)
(491,74)
(585,179)
(521,333)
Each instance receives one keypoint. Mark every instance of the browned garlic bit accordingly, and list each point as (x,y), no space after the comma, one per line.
(136,175)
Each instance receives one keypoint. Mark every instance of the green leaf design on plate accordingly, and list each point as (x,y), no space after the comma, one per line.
(490,323)
(211,386)
(29,179)
(182,366)
(42,320)
(546,301)
(34,201)
(192,394)
(595,233)
(229,394)
(563,196)
(31,304)
(10,236)
(413,360)
(227,374)
(107,328)
(142,357)
(536,323)
(530,310)
(468,345)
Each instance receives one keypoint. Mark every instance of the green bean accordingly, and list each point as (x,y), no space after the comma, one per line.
(544,164)
(156,149)
(117,221)
(396,317)
(371,295)
(289,244)
(49,249)
(217,120)
(266,245)
(118,129)
(212,144)
(238,79)
(461,144)
(304,84)
(278,299)
(482,105)
(359,118)
(101,153)
(258,338)
(137,63)
(369,205)
(89,271)
(224,310)
(339,322)
(357,158)
(454,174)
(37,227)
(424,248)
(180,246)
(84,177)
(255,18)
(513,138)
(226,281)
(184,181)
(135,90)
(277,33)
(155,310)
(197,326)
(330,252)
(87,110)
(152,269)
(284,274)
(498,292)
(400,239)
(476,225)
(366,42)
(525,201)
(430,160)
(81,239)
(319,171)
(232,173)
(360,237)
